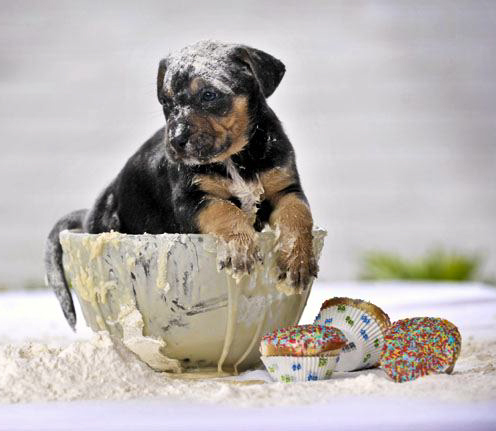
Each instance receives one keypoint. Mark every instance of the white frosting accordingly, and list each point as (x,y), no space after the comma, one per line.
(147,348)
(248,192)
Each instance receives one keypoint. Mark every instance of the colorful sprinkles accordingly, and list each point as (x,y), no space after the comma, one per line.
(418,347)
(298,340)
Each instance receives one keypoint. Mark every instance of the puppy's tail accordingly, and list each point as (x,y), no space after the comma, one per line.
(55,277)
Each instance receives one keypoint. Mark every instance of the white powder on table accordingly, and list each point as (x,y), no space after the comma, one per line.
(96,369)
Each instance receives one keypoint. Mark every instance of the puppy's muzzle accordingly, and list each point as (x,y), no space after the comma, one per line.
(188,142)
(181,137)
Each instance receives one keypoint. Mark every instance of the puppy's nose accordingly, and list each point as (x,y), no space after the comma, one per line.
(180,136)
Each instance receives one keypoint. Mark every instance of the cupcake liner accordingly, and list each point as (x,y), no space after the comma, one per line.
(365,335)
(373,310)
(289,369)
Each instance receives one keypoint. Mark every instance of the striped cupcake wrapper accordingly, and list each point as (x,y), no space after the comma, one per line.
(365,336)
(289,369)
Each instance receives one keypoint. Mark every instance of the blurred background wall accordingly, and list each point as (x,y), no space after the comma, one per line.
(391,107)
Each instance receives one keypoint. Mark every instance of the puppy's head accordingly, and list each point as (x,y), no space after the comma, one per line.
(207,90)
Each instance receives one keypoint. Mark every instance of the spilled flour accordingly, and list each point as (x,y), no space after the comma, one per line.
(96,369)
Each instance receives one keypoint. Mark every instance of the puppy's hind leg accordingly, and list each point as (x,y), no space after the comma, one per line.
(55,277)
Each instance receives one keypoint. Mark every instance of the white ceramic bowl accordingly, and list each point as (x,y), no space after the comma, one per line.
(163,297)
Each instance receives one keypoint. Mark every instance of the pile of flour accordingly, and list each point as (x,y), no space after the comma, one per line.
(96,369)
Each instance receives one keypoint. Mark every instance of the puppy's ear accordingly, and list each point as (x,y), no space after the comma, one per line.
(267,70)
(162,68)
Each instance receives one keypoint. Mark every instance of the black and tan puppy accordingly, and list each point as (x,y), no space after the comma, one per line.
(221,165)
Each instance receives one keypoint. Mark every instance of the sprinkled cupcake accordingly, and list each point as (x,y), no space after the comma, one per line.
(420,346)
(302,353)
(363,324)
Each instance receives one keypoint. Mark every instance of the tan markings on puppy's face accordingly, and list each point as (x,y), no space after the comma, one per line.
(195,85)
(201,132)
(229,131)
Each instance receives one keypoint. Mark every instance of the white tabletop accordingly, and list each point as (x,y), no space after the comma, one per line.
(472,307)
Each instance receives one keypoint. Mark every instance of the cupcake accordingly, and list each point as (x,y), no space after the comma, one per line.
(420,346)
(363,324)
(301,353)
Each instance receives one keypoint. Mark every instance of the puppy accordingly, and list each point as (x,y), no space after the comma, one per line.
(221,165)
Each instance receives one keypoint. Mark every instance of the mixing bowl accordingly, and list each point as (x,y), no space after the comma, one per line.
(164,299)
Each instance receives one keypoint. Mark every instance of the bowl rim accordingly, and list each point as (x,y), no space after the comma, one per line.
(316,231)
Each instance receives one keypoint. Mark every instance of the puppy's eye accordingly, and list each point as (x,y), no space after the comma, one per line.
(208,96)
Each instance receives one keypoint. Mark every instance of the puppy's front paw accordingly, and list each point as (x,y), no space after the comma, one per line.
(238,253)
(296,263)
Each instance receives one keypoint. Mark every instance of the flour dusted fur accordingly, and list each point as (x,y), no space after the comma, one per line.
(207,59)
(96,369)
